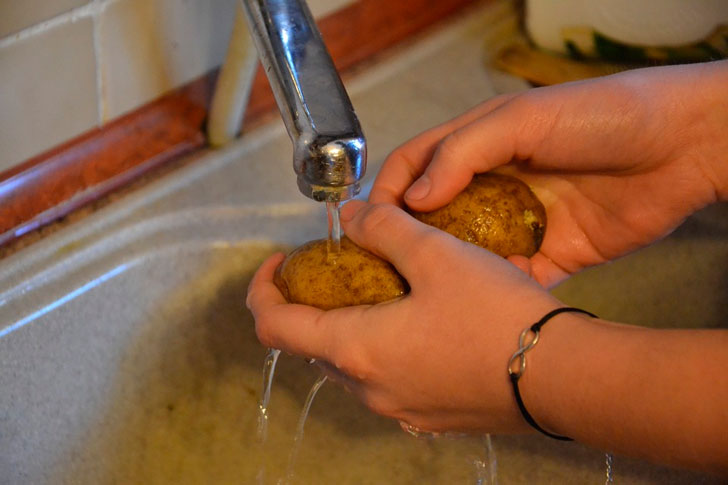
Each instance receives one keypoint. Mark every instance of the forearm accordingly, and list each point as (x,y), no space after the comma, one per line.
(656,394)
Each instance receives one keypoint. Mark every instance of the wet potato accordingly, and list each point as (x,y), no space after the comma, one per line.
(354,276)
(497,212)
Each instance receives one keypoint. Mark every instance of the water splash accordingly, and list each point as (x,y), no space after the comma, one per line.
(486,469)
(299,430)
(609,461)
(269,369)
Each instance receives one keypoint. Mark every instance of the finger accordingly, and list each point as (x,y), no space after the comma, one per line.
(402,167)
(522,263)
(407,162)
(546,272)
(299,329)
(478,147)
(391,233)
(278,323)
(335,375)
(360,388)
(257,284)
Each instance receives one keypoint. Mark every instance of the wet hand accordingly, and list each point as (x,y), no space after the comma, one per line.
(618,162)
(436,358)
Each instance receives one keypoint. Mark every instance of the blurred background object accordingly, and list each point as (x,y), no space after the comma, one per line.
(573,39)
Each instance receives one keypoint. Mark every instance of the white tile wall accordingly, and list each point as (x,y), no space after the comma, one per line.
(47,90)
(67,66)
(16,15)
(149,47)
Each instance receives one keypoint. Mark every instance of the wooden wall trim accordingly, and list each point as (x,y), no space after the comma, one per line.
(51,185)
(86,168)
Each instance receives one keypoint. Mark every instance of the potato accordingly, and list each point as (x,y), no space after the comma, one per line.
(310,276)
(497,212)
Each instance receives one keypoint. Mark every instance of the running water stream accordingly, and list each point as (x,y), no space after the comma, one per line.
(269,369)
(333,212)
(299,430)
(486,469)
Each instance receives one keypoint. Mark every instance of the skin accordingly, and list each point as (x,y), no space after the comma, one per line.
(619,162)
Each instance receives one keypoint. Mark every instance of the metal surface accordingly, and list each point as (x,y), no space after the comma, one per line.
(329,150)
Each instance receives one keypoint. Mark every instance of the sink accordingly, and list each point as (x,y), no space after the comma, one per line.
(127,354)
(136,361)
(148,369)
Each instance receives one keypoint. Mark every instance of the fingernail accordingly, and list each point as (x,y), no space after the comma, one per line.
(419,189)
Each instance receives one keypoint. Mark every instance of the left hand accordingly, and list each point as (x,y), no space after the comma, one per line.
(436,358)
(618,162)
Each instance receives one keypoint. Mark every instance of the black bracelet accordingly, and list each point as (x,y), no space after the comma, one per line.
(521,354)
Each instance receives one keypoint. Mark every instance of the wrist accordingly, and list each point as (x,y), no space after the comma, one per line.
(549,386)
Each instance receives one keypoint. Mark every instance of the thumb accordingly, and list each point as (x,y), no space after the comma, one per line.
(392,234)
(480,146)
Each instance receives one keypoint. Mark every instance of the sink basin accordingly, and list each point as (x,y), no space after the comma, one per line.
(127,354)
(149,371)
(141,365)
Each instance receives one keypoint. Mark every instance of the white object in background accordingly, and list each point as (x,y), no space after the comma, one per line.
(232,89)
(653,23)
(237,72)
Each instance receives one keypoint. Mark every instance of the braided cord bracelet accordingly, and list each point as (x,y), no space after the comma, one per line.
(524,347)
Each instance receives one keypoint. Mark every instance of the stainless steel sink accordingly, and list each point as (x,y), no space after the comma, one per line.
(127,355)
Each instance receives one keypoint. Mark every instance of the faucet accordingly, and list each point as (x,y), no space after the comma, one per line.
(329,149)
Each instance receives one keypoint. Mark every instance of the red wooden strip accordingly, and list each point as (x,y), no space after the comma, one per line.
(75,171)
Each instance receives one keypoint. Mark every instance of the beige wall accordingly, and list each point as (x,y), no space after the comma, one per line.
(67,66)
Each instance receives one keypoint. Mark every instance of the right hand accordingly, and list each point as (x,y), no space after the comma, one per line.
(618,161)
(435,358)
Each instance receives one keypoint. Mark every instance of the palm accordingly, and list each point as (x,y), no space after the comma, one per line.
(609,185)
(618,162)
(591,220)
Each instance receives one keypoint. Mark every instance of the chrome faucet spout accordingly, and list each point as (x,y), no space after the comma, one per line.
(329,149)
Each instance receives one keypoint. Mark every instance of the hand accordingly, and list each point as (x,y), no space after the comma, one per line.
(436,358)
(618,162)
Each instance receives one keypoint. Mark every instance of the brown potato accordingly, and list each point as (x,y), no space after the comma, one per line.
(497,212)
(310,276)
